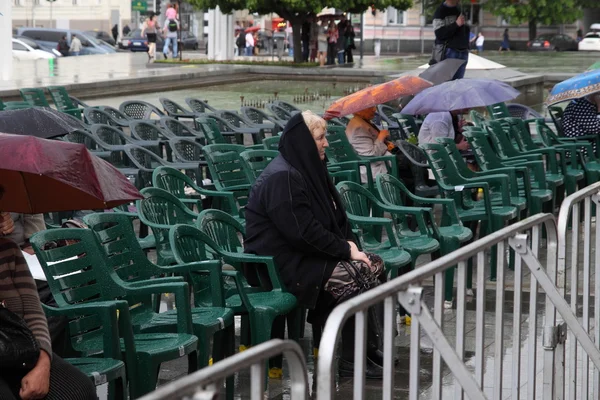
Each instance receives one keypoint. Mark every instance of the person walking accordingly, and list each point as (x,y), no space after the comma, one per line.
(170,31)
(249,44)
(452,33)
(479,42)
(63,46)
(240,42)
(332,38)
(505,45)
(150,29)
(115,32)
(126,30)
(75,47)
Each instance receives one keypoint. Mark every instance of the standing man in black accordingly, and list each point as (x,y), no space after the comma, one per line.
(452,31)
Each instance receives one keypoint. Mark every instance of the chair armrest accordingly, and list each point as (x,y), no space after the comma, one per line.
(473,185)
(182,300)
(447,204)
(241,286)
(156,281)
(252,258)
(388,224)
(211,268)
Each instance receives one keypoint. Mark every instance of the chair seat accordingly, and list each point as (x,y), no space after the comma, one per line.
(542,194)
(102,370)
(263,301)
(575,173)
(148,242)
(555,179)
(212,318)
(421,244)
(459,232)
(394,257)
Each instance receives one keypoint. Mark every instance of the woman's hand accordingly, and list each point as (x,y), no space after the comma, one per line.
(357,255)
(383,135)
(7,225)
(36,384)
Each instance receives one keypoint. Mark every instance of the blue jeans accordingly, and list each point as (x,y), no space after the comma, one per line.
(74,53)
(480,49)
(460,55)
(249,50)
(168,41)
(340,57)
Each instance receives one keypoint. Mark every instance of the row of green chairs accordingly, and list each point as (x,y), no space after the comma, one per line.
(37,97)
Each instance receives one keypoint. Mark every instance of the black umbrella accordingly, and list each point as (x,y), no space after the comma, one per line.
(41,122)
(438,73)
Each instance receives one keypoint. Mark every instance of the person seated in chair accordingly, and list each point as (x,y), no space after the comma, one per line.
(580,118)
(295,214)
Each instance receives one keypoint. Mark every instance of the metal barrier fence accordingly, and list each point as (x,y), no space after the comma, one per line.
(579,283)
(207,383)
(524,378)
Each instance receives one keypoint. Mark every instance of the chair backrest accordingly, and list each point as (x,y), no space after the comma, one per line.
(115,233)
(144,157)
(390,189)
(115,114)
(109,134)
(290,108)
(34,96)
(557,114)
(548,136)
(142,130)
(174,128)
(86,138)
(279,112)
(225,165)
(408,124)
(189,245)
(441,164)
(172,108)
(77,102)
(260,117)
(222,229)
(455,156)
(233,118)
(519,132)
(221,123)
(419,167)
(186,150)
(160,210)
(171,180)
(211,131)
(522,111)
(498,110)
(136,109)
(77,272)
(272,143)
(339,149)
(61,98)
(499,136)
(477,118)
(199,106)
(96,116)
(482,149)
(387,114)
(256,161)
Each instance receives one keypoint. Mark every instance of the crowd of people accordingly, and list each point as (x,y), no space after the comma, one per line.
(151,30)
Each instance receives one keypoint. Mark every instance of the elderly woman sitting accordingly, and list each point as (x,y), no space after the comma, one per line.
(294,214)
(580,118)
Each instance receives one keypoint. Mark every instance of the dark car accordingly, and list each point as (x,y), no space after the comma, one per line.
(556,42)
(135,42)
(101,35)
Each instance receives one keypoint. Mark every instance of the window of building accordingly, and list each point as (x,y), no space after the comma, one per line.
(395,17)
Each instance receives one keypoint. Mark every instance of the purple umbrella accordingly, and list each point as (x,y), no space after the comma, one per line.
(460,94)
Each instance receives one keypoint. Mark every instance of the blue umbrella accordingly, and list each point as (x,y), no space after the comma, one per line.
(460,94)
(578,86)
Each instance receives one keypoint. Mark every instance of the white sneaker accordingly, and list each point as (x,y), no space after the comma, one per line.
(470,292)
(447,304)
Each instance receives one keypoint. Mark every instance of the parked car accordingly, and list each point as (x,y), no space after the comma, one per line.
(22,50)
(34,45)
(101,35)
(590,42)
(556,42)
(135,42)
(48,39)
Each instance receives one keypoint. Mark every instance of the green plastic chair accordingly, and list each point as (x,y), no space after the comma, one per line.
(408,124)
(34,96)
(273,300)
(160,210)
(272,143)
(80,275)
(175,182)
(106,369)
(568,160)
(556,113)
(227,170)
(451,234)
(63,102)
(459,189)
(477,118)
(341,153)
(498,111)
(255,161)
(116,234)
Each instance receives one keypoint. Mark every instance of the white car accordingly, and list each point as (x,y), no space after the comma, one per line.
(590,42)
(23,50)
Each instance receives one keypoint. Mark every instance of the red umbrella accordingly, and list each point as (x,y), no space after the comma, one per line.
(252,29)
(374,95)
(40,175)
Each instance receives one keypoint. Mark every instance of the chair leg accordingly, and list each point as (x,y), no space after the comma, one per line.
(146,379)
(223,346)
(245,332)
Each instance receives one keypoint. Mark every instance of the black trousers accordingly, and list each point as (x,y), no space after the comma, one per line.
(66,383)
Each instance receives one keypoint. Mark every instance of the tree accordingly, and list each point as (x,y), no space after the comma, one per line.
(297,12)
(536,12)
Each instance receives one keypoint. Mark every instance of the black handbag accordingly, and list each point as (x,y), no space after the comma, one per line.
(19,350)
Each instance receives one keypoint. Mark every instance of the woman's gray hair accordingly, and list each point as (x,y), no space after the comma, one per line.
(313,121)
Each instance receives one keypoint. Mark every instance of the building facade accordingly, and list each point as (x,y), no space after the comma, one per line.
(71,14)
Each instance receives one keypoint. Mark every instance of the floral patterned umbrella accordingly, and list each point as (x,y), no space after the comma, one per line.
(374,95)
(578,86)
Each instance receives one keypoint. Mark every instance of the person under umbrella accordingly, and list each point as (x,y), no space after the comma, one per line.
(580,118)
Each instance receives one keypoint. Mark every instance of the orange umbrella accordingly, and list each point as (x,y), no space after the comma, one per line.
(252,29)
(374,95)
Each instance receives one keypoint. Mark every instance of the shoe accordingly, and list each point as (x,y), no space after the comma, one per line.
(405,320)
(448,304)
(166,56)
(372,371)
(376,356)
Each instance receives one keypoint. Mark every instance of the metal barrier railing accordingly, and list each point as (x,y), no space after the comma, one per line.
(407,290)
(577,212)
(207,383)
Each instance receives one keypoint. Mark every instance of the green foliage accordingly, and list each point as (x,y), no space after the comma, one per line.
(540,11)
